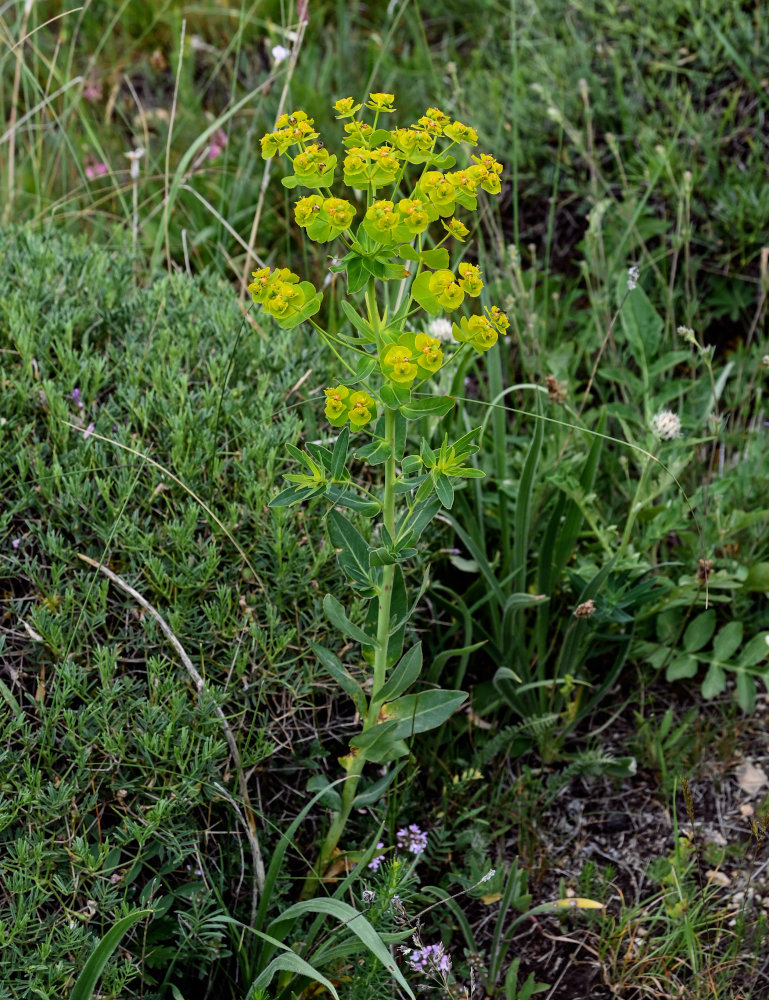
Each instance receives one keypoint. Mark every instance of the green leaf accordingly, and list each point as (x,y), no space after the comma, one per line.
(641,322)
(353,501)
(437,259)
(377,743)
(371,795)
(352,547)
(339,454)
(682,667)
(332,799)
(746,692)
(290,182)
(348,684)
(420,290)
(357,277)
(353,921)
(365,368)
(714,682)
(755,651)
(337,617)
(360,324)
(376,452)
(97,960)
(294,494)
(699,632)
(727,641)
(423,514)
(288,961)
(444,489)
(308,309)
(418,713)
(758,576)
(434,406)
(404,675)
(393,395)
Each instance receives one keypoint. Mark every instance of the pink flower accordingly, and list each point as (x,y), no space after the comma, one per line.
(92,92)
(218,144)
(95,168)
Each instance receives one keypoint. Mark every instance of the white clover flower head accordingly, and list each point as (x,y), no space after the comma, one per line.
(632,277)
(440,328)
(279,54)
(666,425)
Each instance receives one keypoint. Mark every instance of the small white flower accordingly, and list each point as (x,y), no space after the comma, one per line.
(134,156)
(279,54)
(368,896)
(488,876)
(440,328)
(632,277)
(666,425)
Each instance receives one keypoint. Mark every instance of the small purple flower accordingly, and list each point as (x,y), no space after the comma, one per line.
(376,861)
(15,543)
(412,839)
(431,958)
(77,398)
(89,431)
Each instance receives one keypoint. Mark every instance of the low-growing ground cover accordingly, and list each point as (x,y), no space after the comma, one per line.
(600,596)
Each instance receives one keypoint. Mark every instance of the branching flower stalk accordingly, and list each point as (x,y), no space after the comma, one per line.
(392,356)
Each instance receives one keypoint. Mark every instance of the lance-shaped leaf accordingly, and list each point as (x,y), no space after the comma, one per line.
(404,675)
(335,667)
(371,795)
(339,619)
(353,549)
(418,713)
(377,743)
(353,921)
(364,329)
(353,501)
(339,454)
(295,494)
(85,986)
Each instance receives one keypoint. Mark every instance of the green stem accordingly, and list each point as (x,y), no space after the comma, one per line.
(636,506)
(355,767)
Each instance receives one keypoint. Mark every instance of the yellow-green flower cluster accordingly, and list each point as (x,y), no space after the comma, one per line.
(289,130)
(346,107)
(414,355)
(280,292)
(450,290)
(343,405)
(314,166)
(381,102)
(364,168)
(323,218)
(481,332)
